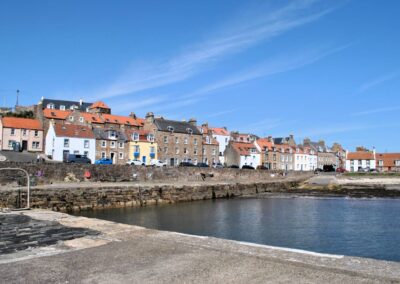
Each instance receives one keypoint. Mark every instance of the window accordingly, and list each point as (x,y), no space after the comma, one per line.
(195,141)
(208,140)
(226,140)
(36,133)
(136,149)
(165,139)
(274,157)
(66,143)
(165,149)
(76,152)
(86,153)
(185,141)
(112,144)
(24,132)
(62,107)
(12,131)
(152,149)
(103,143)
(170,128)
(71,118)
(50,106)
(214,152)
(176,140)
(195,151)
(121,155)
(397,163)
(185,151)
(121,145)
(176,150)
(112,134)
(35,145)
(103,155)
(81,119)
(10,144)
(204,151)
(150,137)
(73,107)
(135,136)
(86,143)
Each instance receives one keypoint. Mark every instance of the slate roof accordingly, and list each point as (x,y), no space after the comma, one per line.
(102,134)
(179,126)
(67,104)
(280,140)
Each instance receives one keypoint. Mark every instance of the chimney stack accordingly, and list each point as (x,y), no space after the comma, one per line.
(149,117)
(193,121)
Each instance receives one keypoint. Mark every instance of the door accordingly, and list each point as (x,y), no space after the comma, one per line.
(172,162)
(24,145)
(65,155)
(144,160)
(112,156)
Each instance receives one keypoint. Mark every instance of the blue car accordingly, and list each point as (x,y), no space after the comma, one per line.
(103,161)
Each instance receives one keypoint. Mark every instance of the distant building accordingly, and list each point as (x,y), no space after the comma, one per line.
(178,141)
(326,156)
(240,154)
(111,143)
(222,135)
(210,146)
(388,162)
(267,151)
(64,105)
(285,141)
(363,160)
(24,133)
(62,140)
(141,146)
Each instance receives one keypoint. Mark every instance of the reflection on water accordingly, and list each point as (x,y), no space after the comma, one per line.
(358,227)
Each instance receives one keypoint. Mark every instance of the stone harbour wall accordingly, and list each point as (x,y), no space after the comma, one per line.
(88,196)
(48,173)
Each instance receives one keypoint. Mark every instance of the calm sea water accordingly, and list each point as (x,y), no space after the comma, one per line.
(356,227)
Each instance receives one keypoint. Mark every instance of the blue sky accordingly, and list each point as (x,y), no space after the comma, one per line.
(320,69)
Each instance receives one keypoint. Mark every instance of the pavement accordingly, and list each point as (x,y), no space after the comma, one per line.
(130,254)
(24,157)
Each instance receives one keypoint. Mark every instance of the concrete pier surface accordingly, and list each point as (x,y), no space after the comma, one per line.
(121,253)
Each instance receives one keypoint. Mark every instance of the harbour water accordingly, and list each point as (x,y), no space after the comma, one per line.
(344,226)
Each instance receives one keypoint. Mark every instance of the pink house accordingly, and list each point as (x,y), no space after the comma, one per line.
(28,133)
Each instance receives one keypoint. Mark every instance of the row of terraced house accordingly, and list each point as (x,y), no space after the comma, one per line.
(76,127)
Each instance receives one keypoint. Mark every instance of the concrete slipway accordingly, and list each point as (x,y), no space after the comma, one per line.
(130,254)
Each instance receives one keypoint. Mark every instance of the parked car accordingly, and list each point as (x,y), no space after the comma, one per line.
(202,165)
(78,159)
(103,161)
(328,168)
(186,164)
(341,170)
(318,170)
(135,163)
(218,166)
(158,163)
(262,167)
(248,167)
(234,167)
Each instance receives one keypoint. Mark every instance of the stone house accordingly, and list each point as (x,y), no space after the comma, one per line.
(326,156)
(111,143)
(268,153)
(240,154)
(360,161)
(22,132)
(388,162)
(64,139)
(223,136)
(178,141)
(141,146)
(285,157)
(210,146)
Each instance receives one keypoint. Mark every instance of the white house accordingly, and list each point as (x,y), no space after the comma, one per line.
(62,140)
(302,159)
(241,154)
(360,161)
(222,135)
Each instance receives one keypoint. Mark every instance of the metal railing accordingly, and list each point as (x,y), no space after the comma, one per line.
(28,185)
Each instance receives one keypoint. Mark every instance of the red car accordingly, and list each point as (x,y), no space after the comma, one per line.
(341,170)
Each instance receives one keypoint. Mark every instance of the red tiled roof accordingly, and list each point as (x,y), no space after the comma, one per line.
(56,113)
(92,118)
(117,119)
(71,130)
(264,143)
(243,148)
(213,141)
(388,158)
(21,123)
(360,155)
(220,131)
(99,104)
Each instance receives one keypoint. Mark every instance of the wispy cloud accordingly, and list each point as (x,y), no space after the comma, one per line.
(377,81)
(193,59)
(377,110)
(221,113)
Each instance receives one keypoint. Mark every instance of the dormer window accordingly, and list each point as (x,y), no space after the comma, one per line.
(71,118)
(135,136)
(170,129)
(150,137)
(81,119)
(190,131)
(62,107)
(50,106)
(73,107)
(112,134)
